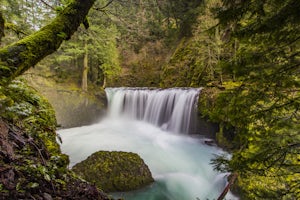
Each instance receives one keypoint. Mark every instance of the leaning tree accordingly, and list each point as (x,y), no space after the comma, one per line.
(18,57)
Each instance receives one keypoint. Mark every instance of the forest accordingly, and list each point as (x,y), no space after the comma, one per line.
(245,55)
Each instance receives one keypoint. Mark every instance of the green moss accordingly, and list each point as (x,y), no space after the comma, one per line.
(268,186)
(221,139)
(115,171)
(30,154)
(189,66)
(25,53)
(207,101)
(23,106)
(26,108)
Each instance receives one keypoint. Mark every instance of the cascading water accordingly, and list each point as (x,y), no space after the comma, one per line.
(171,109)
(150,122)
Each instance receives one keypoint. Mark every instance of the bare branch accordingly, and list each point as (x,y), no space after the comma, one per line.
(48,5)
(102,8)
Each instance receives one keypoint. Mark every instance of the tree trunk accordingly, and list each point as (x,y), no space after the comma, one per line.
(227,188)
(210,65)
(219,50)
(1,26)
(20,56)
(104,82)
(84,84)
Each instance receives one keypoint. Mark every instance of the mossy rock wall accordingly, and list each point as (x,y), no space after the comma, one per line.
(32,165)
(72,107)
(179,70)
(142,68)
(219,128)
(115,171)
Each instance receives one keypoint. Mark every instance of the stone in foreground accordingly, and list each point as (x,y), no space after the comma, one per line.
(115,171)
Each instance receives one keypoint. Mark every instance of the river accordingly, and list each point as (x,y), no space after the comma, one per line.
(156,129)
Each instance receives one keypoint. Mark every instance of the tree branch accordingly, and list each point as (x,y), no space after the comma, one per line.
(17,30)
(102,8)
(48,5)
(18,57)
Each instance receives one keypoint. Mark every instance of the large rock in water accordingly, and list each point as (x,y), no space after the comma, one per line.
(115,171)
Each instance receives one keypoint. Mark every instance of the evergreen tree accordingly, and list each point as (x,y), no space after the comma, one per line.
(91,55)
(264,108)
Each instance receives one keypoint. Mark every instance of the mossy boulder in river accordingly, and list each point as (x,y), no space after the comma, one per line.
(115,171)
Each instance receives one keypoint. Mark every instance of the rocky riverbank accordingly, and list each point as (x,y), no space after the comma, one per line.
(32,165)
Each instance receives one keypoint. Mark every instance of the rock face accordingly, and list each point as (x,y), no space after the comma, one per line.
(115,171)
(72,106)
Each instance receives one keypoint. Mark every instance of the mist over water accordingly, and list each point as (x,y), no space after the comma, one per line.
(179,163)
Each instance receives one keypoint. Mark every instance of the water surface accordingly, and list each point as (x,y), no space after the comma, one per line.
(179,163)
(154,124)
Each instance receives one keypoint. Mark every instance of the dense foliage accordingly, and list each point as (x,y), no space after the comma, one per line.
(264,108)
(149,31)
(248,57)
(91,55)
(127,33)
(194,63)
(247,54)
(32,165)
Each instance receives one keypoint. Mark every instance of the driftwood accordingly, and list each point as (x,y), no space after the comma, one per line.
(226,189)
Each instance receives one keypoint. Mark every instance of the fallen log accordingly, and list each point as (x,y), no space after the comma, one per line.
(226,189)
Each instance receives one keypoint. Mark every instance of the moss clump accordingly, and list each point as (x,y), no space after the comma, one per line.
(208,109)
(24,107)
(115,171)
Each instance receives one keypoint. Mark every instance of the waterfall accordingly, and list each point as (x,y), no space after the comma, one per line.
(171,109)
(143,121)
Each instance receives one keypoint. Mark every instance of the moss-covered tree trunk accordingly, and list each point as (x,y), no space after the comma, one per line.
(20,56)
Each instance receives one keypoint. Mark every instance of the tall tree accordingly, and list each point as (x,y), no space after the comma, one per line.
(84,84)
(265,108)
(195,62)
(100,41)
(184,13)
